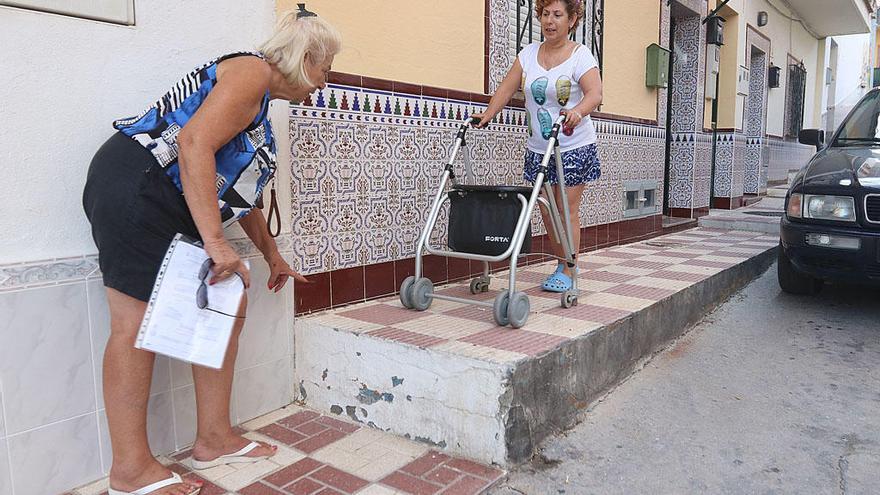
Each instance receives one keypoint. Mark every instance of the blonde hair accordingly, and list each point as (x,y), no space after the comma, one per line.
(574,8)
(293,39)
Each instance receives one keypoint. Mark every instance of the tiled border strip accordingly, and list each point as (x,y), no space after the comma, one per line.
(61,271)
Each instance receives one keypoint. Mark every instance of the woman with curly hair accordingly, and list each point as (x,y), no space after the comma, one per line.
(558,76)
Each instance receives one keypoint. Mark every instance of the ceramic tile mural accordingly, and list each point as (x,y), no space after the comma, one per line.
(364,175)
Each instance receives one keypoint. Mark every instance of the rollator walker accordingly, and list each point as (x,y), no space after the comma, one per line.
(507,212)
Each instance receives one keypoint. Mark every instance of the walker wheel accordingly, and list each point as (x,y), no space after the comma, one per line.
(518,309)
(405,292)
(479,284)
(569,299)
(499,308)
(421,293)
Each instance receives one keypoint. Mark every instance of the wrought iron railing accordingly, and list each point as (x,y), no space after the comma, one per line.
(590,32)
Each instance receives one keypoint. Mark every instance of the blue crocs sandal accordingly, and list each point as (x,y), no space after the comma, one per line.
(557,281)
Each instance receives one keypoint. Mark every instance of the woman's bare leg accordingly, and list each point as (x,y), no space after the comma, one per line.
(574,201)
(127,375)
(214,435)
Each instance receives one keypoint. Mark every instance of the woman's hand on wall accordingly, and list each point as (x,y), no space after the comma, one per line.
(280,272)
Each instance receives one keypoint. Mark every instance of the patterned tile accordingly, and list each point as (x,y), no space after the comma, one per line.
(515,340)
(381,314)
(407,337)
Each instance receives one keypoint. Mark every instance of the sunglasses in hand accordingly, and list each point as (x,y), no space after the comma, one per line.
(202,291)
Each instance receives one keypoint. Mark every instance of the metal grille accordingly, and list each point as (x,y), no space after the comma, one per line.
(526,29)
(872,208)
(797,88)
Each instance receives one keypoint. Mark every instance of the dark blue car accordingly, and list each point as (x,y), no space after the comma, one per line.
(831,227)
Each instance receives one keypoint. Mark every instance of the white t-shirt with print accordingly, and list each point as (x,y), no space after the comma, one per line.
(549,91)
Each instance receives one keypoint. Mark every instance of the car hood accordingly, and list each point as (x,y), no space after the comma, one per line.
(834,166)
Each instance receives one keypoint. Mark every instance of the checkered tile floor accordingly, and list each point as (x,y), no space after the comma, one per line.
(614,282)
(321,455)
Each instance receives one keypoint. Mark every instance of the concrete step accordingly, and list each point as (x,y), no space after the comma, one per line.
(777,192)
(449,377)
(745,219)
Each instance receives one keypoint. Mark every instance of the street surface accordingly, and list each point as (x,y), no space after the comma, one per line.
(771,393)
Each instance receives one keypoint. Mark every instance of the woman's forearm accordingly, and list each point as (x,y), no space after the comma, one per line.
(254,225)
(589,103)
(198,171)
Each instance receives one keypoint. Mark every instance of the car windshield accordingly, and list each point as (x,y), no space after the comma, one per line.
(862,126)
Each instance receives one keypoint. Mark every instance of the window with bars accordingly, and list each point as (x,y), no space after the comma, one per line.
(796,89)
(525,28)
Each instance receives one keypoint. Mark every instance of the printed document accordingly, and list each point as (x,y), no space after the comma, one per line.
(173,324)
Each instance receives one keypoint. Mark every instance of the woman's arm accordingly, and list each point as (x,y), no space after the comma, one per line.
(229,108)
(254,225)
(502,95)
(591,85)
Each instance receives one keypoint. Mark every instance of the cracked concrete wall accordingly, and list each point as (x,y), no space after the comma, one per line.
(438,398)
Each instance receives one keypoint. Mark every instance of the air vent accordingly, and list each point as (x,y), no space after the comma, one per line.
(872,207)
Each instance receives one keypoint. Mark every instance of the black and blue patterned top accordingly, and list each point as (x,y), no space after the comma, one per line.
(244,165)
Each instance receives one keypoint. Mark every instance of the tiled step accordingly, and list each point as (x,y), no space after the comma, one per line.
(450,378)
(318,454)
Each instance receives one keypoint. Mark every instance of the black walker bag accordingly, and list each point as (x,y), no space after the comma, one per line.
(482,219)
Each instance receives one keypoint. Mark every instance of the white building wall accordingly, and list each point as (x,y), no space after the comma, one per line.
(65,80)
(853,74)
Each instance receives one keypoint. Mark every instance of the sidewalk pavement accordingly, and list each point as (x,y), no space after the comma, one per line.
(636,298)
(322,455)
(762,216)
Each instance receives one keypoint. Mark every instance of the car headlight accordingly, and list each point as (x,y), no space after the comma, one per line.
(821,207)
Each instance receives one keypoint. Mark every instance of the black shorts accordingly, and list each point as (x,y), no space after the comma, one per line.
(135,210)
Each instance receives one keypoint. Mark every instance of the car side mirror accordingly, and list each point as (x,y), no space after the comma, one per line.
(812,137)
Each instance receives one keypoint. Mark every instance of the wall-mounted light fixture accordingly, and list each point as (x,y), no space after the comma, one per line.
(762,18)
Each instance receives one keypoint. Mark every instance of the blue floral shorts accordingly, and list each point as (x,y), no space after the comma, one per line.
(580,165)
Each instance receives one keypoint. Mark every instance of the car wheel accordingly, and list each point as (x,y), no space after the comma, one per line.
(792,280)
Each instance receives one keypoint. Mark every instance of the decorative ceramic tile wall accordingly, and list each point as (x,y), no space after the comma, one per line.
(724,153)
(364,172)
(663,93)
(755,118)
(729,165)
(752,176)
(739,164)
(690,150)
(500,54)
(686,105)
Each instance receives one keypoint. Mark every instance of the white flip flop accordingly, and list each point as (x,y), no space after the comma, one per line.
(235,457)
(174,479)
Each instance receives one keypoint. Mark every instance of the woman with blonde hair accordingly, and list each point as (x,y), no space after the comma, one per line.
(559,77)
(194,162)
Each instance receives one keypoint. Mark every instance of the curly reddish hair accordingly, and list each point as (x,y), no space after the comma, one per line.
(574,8)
